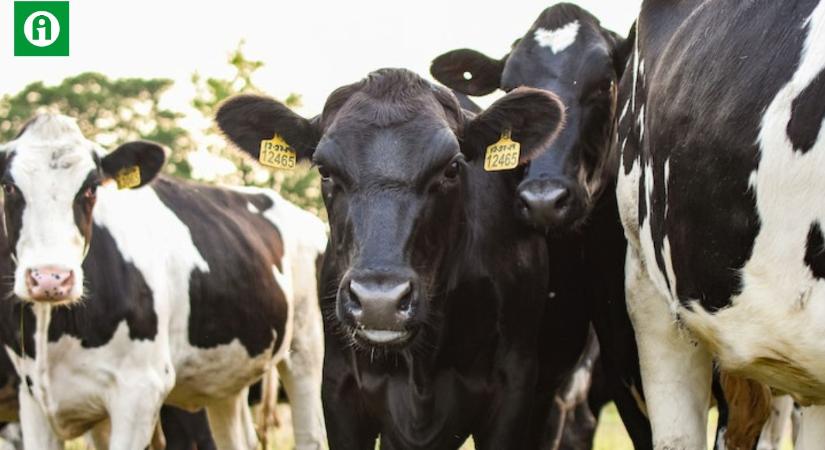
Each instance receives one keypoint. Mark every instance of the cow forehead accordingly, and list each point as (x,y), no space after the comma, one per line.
(51,150)
(397,152)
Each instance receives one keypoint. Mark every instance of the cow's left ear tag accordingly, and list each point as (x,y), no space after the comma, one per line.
(276,153)
(503,155)
(128,177)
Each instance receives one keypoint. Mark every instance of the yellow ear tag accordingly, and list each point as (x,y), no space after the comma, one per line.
(503,155)
(128,177)
(277,153)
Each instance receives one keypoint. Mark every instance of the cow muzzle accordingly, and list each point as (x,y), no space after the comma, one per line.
(548,205)
(50,284)
(379,307)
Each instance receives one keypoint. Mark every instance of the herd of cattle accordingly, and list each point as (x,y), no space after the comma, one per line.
(659,245)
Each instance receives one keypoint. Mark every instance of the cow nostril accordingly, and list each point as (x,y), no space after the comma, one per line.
(68,281)
(353,296)
(562,198)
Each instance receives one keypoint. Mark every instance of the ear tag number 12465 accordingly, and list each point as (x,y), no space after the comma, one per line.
(276,153)
(503,155)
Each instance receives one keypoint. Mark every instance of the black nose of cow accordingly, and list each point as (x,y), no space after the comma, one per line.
(545,206)
(379,307)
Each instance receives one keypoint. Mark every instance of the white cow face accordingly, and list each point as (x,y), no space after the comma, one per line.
(50,175)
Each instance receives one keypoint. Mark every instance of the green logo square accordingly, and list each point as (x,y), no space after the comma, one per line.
(41,28)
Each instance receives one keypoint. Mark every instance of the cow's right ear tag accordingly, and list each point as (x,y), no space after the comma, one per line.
(276,153)
(503,155)
(128,177)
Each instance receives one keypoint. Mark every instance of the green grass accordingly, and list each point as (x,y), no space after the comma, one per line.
(610,435)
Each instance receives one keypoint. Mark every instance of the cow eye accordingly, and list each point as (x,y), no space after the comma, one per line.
(452,170)
(90,191)
(9,188)
(325,174)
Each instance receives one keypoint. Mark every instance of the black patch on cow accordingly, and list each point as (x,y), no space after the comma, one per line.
(185,430)
(815,251)
(116,291)
(29,384)
(83,205)
(13,204)
(704,123)
(807,115)
(238,298)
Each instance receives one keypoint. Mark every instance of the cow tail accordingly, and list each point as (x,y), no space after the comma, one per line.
(749,406)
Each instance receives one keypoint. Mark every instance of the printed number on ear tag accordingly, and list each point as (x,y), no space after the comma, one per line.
(503,155)
(128,177)
(277,153)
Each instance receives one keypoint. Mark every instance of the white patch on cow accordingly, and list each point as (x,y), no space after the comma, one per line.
(76,386)
(675,369)
(559,39)
(812,429)
(52,160)
(774,429)
(252,208)
(624,111)
(646,241)
(635,73)
(752,180)
(775,329)
(640,122)
(627,195)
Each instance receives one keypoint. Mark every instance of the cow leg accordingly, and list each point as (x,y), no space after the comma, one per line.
(37,432)
(812,429)
(676,370)
(231,422)
(98,437)
(774,429)
(301,373)
(133,413)
(12,436)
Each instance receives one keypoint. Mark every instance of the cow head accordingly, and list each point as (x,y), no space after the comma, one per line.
(393,153)
(567,52)
(50,174)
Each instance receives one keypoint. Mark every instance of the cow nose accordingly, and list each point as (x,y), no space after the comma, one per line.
(546,207)
(380,304)
(49,283)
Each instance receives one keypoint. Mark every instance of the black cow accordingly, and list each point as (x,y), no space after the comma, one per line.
(180,293)
(434,293)
(568,190)
(720,190)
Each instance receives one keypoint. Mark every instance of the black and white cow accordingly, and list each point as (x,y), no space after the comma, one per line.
(720,193)
(434,293)
(568,190)
(170,292)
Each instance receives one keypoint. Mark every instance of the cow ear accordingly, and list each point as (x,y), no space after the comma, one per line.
(468,71)
(622,49)
(533,117)
(146,156)
(247,120)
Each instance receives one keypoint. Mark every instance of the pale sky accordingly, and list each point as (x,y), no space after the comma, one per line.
(309,46)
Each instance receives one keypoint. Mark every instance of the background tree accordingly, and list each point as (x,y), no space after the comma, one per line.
(109,112)
(301,186)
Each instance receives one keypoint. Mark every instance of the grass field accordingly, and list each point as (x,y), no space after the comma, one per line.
(610,435)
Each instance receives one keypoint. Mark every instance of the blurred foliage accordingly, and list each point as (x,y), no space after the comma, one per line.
(108,112)
(113,111)
(301,186)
